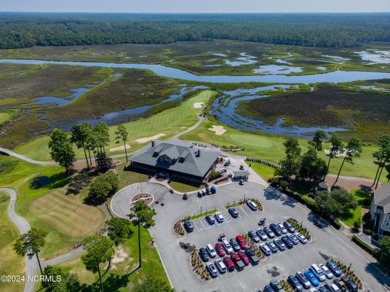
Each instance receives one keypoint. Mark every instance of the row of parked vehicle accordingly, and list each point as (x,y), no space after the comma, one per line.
(234,255)
(316,274)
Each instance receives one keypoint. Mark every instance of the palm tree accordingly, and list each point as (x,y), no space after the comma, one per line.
(352,150)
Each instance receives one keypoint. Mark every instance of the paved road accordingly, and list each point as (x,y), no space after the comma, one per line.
(31,267)
(64,257)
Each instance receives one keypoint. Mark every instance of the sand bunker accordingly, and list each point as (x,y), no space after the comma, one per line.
(119,148)
(198,104)
(148,139)
(119,257)
(219,130)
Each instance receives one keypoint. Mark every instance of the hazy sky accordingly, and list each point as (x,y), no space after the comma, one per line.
(196,5)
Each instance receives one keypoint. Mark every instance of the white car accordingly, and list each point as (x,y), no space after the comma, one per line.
(282,228)
(211,250)
(220,266)
(219,217)
(226,245)
(326,271)
(301,238)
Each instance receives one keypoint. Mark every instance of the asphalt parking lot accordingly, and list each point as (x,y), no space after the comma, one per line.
(327,242)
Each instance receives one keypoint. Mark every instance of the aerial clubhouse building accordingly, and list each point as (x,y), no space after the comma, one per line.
(178,160)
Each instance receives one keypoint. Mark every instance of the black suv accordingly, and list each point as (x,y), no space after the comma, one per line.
(204,255)
(276,229)
(189,226)
(233,212)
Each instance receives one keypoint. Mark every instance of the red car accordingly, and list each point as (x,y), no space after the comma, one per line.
(220,250)
(241,242)
(244,257)
(229,264)
(237,261)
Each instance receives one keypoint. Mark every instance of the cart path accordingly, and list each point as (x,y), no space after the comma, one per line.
(31,267)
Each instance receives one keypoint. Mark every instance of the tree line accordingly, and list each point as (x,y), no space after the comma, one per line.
(21,30)
(92,140)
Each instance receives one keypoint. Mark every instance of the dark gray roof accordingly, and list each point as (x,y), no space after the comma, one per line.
(382,197)
(183,157)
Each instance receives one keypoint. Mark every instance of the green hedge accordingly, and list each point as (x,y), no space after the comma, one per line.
(364,245)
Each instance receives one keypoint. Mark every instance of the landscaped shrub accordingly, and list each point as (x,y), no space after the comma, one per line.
(364,245)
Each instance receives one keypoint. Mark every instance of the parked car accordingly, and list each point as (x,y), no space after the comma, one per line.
(219,217)
(282,228)
(272,246)
(252,256)
(310,276)
(294,283)
(241,182)
(210,219)
(189,227)
(303,280)
(260,232)
(302,239)
(276,229)
(332,287)
(185,196)
(227,245)
(241,241)
(233,212)
(287,241)
(268,288)
(227,162)
(334,268)
(220,266)
(234,244)
(294,239)
(237,261)
(243,257)
(211,250)
(269,232)
(220,250)
(351,285)
(326,271)
(340,283)
(265,249)
(252,234)
(204,254)
(276,285)
(316,270)
(228,263)
(280,244)
(212,270)
(323,289)
(252,205)
(289,227)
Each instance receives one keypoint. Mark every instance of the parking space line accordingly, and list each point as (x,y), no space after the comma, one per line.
(246,214)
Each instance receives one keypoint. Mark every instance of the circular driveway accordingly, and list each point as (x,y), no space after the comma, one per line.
(121,202)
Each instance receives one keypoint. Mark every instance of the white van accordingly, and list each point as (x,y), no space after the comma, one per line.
(318,272)
(251,205)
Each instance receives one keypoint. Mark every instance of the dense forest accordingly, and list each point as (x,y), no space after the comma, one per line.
(20,30)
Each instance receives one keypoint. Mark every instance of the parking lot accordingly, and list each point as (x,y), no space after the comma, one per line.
(326,243)
(202,225)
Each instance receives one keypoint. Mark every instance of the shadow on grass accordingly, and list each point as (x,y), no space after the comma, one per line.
(113,282)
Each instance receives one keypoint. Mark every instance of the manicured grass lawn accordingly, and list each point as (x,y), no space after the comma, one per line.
(169,122)
(363,199)
(118,277)
(264,171)
(183,188)
(270,147)
(65,218)
(10,262)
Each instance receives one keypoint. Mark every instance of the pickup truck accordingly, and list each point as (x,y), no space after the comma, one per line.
(252,256)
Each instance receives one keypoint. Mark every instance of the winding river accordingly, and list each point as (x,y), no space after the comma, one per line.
(224,108)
